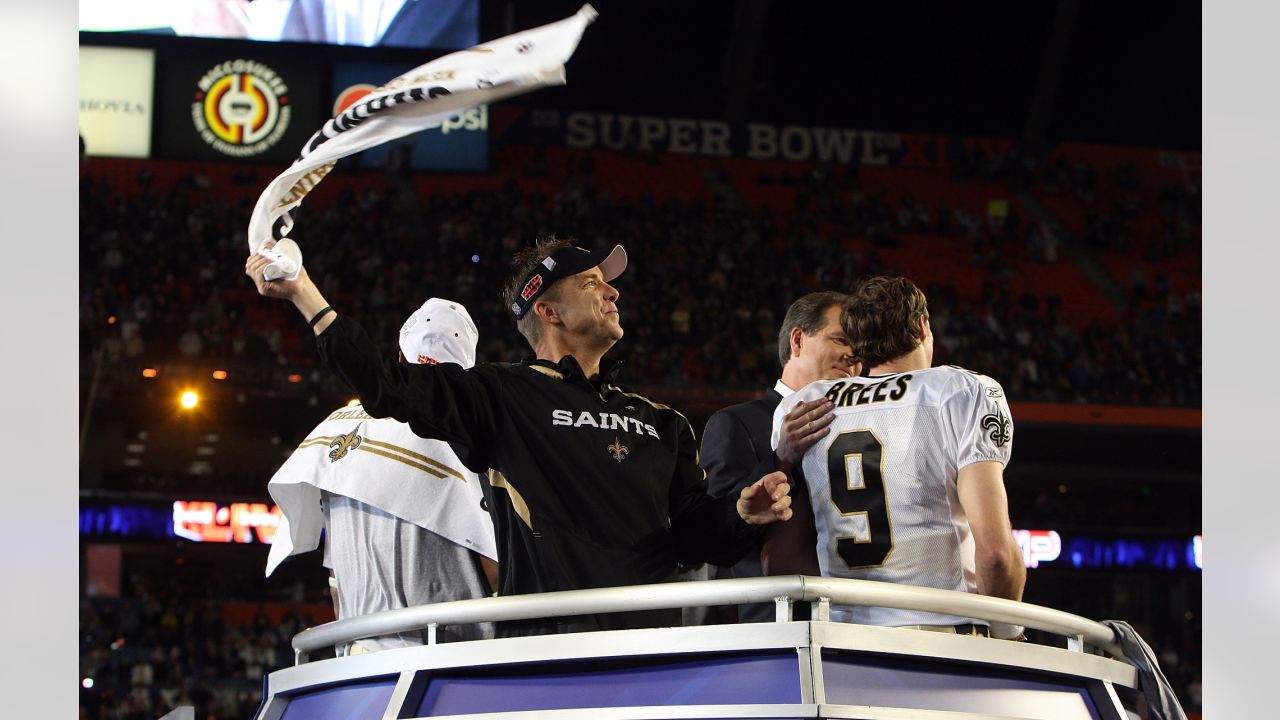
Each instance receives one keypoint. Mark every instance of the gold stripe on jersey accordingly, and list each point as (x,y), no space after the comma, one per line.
(498,480)
(659,406)
(547,371)
(417,456)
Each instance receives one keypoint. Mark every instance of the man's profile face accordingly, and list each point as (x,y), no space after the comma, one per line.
(588,307)
(825,354)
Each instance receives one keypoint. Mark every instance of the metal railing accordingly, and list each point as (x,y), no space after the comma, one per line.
(782,590)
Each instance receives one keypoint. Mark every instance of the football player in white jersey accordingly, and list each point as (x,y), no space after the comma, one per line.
(908,484)
(404,521)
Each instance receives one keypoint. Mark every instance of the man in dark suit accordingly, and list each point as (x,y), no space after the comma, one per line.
(735,445)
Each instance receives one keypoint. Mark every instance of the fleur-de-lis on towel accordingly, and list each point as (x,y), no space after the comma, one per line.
(341,444)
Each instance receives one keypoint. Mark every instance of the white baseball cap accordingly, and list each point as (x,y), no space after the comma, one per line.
(441,331)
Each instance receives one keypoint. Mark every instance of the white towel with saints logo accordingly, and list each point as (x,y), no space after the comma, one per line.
(423,98)
(882,483)
(379,462)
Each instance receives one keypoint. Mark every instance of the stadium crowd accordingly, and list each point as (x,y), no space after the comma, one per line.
(156,262)
(168,641)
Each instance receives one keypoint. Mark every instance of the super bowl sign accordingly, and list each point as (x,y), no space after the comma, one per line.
(241,108)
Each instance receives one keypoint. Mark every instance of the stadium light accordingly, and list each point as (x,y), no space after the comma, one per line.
(150,372)
(189,399)
(295,378)
(87,683)
(219,374)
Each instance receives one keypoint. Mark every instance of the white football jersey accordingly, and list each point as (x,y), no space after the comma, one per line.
(882,483)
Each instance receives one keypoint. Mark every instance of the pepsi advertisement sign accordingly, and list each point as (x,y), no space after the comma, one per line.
(460,144)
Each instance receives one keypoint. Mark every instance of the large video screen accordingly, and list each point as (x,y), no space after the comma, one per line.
(445,24)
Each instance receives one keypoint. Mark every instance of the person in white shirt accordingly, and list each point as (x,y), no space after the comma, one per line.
(404,519)
(907,483)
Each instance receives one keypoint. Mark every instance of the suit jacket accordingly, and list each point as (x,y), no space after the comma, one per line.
(736,452)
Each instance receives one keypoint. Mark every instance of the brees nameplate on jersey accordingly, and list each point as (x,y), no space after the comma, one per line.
(847,394)
(604,421)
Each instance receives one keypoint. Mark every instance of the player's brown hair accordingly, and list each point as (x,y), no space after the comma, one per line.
(880,319)
(809,314)
(522,263)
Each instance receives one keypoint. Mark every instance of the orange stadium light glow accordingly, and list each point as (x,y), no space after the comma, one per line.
(219,374)
(295,378)
(189,399)
(149,372)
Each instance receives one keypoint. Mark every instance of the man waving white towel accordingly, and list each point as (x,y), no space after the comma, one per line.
(404,518)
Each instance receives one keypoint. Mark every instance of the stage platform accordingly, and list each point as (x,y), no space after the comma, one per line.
(782,669)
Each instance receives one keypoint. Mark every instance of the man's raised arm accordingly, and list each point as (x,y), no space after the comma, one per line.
(302,292)
(445,401)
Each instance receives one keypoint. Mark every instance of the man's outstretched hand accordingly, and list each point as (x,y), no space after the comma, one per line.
(766,500)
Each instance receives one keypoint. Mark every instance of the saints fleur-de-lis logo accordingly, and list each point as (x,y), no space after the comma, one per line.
(998,424)
(343,443)
(618,450)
